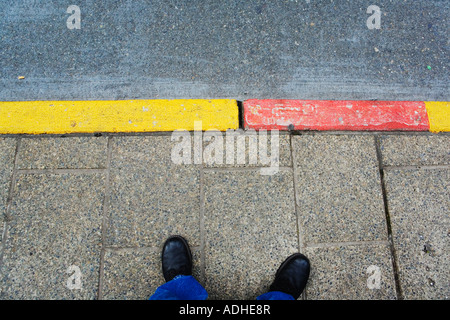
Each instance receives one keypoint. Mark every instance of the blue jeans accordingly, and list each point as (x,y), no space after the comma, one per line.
(188,288)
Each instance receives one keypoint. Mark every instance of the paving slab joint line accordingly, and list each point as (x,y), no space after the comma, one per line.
(348,243)
(300,244)
(417,167)
(7,216)
(62,171)
(394,259)
(105,218)
(13,179)
(144,249)
(202,225)
(367,133)
(252,168)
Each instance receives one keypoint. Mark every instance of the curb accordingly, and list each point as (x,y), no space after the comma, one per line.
(61,117)
(128,116)
(346,115)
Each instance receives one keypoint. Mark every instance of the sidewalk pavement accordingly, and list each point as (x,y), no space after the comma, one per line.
(85,217)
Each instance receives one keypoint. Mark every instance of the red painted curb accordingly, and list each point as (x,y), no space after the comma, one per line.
(335,115)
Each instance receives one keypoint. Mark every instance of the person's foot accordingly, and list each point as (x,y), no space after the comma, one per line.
(176,258)
(292,275)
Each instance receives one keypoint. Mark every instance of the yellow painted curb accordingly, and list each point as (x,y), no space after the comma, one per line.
(438,115)
(59,117)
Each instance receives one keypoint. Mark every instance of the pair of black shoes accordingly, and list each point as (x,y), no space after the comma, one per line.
(290,278)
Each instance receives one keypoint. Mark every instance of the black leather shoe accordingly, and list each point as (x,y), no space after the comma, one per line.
(292,275)
(176,258)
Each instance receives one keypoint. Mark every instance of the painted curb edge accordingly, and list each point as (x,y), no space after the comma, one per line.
(111,116)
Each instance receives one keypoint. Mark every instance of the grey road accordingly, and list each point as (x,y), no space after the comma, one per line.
(304,49)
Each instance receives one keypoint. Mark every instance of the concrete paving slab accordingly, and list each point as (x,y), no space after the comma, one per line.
(405,150)
(353,272)
(59,153)
(250,229)
(130,274)
(134,274)
(263,157)
(419,203)
(151,197)
(7,151)
(338,188)
(241,225)
(53,243)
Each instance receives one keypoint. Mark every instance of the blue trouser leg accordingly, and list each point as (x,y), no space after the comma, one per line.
(180,288)
(188,288)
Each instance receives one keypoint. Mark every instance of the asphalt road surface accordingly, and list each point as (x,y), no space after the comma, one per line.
(304,49)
